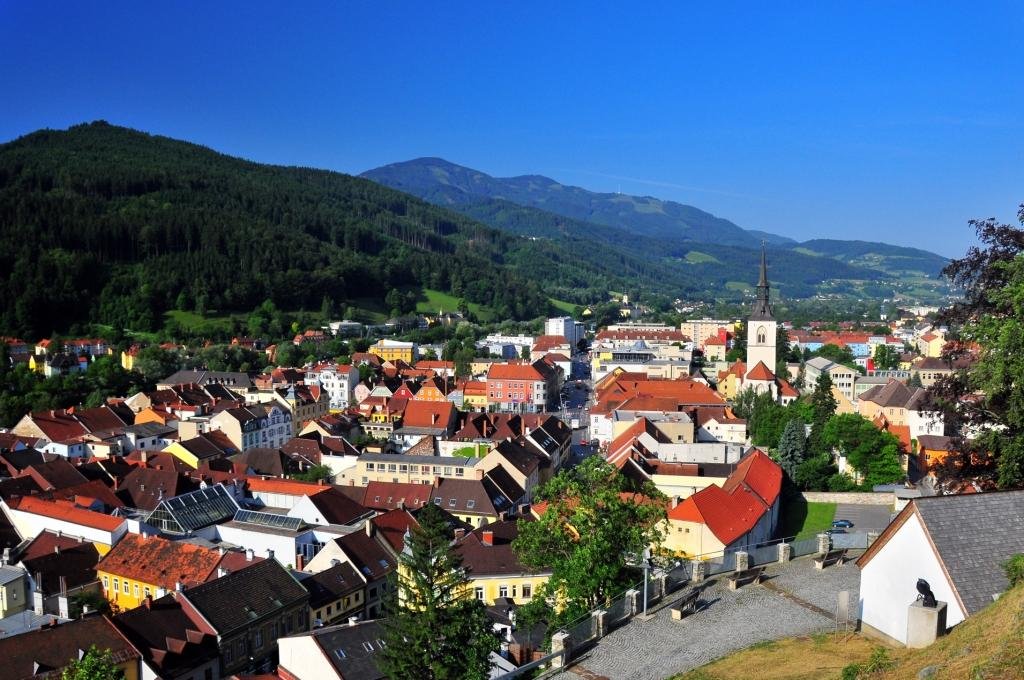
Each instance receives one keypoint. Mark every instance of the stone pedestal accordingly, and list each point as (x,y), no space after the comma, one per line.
(872,537)
(924,624)
(742,561)
(634,602)
(824,543)
(785,552)
(698,571)
(599,622)
(561,642)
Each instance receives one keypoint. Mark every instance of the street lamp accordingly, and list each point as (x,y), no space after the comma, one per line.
(647,567)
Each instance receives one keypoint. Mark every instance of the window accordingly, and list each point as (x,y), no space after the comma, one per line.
(273,630)
(451,502)
(146,591)
(513,590)
(339,653)
(136,591)
(414,469)
(458,472)
(117,584)
(470,504)
(369,467)
(228,655)
(502,591)
(258,639)
(392,467)
(124,587)
(479,592)
(241,648)
(437,501)
(106,583)
(527,590)
(447,471)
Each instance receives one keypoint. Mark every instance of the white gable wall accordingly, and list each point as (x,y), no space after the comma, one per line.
(888,581)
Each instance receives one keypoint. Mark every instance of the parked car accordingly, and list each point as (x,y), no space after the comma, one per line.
(833,531)
(842,524)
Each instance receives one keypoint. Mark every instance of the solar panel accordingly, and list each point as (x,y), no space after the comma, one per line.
(195,510)
(269,519)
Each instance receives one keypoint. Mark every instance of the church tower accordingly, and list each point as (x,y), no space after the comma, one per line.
(761,325)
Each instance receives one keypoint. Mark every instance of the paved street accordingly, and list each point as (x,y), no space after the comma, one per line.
(794,601)
(864,517)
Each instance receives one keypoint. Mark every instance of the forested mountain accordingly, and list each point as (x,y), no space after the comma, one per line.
(662,226)
(105,224)
(442,182)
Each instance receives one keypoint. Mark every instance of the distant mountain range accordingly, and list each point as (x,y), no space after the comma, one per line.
(539,206)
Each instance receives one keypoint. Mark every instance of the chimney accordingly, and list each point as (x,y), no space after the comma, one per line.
(433,418)
(270,554)
(148,602)
(222,572)
(321,482)
(479,473)
(487,538)
(460,534)
(675,501)
(300,562)
(178,586)
(63,585)
(144,456)
(6,559)
(248,555)
(369,528)
(524,509)
(353,620)
(56,549)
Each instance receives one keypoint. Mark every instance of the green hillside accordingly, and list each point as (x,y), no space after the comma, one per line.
(109,225)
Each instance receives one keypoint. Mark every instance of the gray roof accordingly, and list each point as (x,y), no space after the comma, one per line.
(263,590)
(8,574)
(974,534)
(352,649)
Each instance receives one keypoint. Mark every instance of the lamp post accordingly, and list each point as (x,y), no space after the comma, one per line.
(647,566)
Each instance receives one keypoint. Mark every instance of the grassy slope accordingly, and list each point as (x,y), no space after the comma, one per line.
(804,520)
(989,645)
(437,301)
(563,306)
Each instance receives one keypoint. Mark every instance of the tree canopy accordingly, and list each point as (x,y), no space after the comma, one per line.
(590,537)
(989,398)
(434,628)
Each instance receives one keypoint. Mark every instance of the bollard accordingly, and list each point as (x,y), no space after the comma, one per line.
(785,552)
(742,561)
(699,571)
(633,604)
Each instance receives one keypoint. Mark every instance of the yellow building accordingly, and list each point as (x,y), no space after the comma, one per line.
(13,595)
(129,356)
(139,567)
(335,594)
(930,344)
(393,350)
(474,395)
(492,568)
(204,447)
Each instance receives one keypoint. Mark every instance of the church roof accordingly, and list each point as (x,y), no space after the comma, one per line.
(760,372)
(762,310)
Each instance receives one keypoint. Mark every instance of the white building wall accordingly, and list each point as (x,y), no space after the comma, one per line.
(888,581)
(924,422)
(302,657)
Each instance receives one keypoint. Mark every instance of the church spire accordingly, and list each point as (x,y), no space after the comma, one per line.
(762,307)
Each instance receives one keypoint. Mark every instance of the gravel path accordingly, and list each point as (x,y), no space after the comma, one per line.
(730,620)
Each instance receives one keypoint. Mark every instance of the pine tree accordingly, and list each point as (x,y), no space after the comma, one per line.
(823,407)
(434,628)
(792,447)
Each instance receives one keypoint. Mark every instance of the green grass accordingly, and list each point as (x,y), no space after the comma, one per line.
(563,306)
(697,257)
(368,310)
(737,285)
(436,301)
(197,324)
(474,451)
(805,520)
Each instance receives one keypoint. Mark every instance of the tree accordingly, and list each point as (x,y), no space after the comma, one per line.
(435,628)
(823,407)
(589,537)
(525,353)
(873,453)
(915,380)
(156,363)
(886,358)
(991,314)
(840,355)
(315,473)
(792,447)
(94,665)
(815,472)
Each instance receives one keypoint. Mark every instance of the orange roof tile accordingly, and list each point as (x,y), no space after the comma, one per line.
(67,512)
(160,562)
(761,372)
(288,487)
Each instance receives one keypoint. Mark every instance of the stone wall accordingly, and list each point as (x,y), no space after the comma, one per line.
(851,497)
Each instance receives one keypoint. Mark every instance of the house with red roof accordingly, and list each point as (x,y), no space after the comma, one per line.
(523,386)
(31,516)
(740,514)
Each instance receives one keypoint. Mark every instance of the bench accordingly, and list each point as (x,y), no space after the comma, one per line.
(830,558)
(740,578)
(686,605)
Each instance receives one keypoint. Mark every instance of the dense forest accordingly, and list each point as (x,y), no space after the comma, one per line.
(108,225)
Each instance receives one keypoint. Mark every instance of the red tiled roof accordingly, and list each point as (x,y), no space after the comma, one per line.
(289,487)
(67,512)
(761,372)
(513,371)
(160,562)
(760,473)
(436,414)
(387,495)
(393,525)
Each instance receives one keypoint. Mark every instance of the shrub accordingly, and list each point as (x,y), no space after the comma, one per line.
(1014,568)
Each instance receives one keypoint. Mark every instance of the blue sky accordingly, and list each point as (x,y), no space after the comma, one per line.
(852,120)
